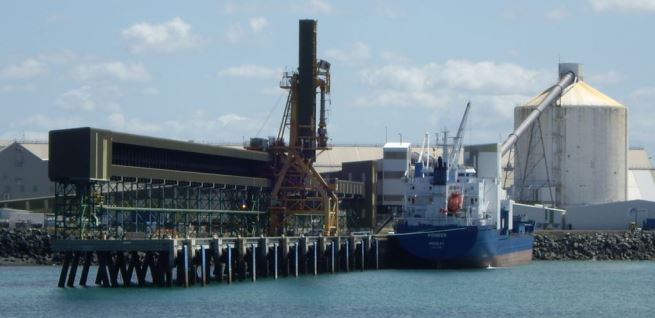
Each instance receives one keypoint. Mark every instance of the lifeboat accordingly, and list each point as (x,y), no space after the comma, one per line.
(454,202)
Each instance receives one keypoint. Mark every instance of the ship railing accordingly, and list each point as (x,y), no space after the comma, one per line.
(441,221)
(433,221)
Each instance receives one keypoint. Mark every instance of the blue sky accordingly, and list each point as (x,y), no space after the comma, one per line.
(209,70)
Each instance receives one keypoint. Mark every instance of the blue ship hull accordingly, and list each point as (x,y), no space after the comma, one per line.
(464,246)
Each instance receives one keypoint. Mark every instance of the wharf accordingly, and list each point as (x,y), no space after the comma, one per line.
(185,262)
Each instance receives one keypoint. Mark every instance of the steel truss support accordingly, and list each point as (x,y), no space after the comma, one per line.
(300,191)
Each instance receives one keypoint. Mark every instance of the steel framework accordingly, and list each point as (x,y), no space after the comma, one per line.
(142,208)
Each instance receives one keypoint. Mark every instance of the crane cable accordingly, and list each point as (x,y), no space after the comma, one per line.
(268,117)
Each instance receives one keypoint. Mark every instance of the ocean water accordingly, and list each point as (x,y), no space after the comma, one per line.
(541,289)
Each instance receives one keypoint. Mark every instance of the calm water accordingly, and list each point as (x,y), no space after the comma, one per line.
(542,289)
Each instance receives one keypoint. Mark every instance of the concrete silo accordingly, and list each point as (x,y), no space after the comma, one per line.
(576,152)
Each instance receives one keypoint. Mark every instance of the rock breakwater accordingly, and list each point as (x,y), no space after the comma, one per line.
(560,245)
(25,247)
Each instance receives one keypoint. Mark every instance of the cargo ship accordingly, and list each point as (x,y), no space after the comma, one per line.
(454,218)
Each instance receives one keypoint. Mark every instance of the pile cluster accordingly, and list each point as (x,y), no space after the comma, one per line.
(25,246)
(636,245)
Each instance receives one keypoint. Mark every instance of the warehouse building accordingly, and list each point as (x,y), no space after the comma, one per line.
(24,170)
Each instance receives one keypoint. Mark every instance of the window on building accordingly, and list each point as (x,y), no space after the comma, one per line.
(395,155)
(19,157)
(20,184)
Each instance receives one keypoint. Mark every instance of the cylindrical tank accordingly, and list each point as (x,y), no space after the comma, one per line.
(576,153)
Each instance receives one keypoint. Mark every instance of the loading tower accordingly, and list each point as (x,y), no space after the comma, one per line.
(299,191)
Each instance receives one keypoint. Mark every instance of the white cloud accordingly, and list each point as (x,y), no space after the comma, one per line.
(314,7)
(112,70)
(116,120)
(258,23)
(394,58)
(20,88)
(234,33)
(485,75)
(644,92)
(27,68)
(557,14)
(356,54)
(273,91)
(89,98)
(457,74)
(236,7)
(186,126)
(498,86)
(637,6)
(609,77)
(168,37)
(59,57)
(251,71)
(77,99)
(231,119)
(47,122)
(403,98)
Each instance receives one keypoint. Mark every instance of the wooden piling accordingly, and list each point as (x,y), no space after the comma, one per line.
(377,253)
(253,267)
(302,255)
(85,268)
(263,269)
(315,250)
(73,269)
(295,259)
(229,264)
(347,255)
(122,268)
(285,256)
(275,259)
(203,264)
(333,248)
(64,269)
(185,264)
(217,253)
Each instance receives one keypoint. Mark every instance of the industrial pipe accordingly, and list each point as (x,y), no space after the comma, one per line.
(322,130)
(565,81)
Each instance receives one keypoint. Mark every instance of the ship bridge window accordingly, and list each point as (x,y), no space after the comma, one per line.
(461,174)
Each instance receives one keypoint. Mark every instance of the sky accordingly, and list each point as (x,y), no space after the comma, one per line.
(209,71)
